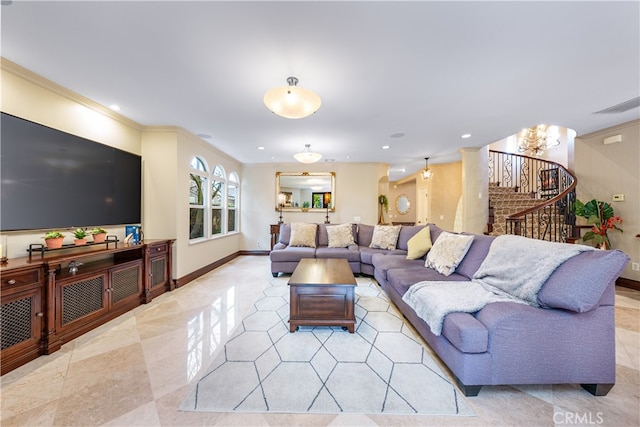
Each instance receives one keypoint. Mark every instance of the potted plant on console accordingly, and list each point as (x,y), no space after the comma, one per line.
(53,239)
(305,206)
(99,234)
(80,237)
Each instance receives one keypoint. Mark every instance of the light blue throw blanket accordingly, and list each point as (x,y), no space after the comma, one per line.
(514,270)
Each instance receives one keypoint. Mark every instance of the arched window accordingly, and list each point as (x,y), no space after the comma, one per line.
(214,206)
(197,198)
(232,202)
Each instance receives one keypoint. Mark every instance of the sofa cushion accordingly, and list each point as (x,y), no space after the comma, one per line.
(419,244)
(365,233)
(385,236)
(447,252)
(400,279)
(366,253)
(339,236)
(292,254)
(596,270)
(350,253)
(303,234)
(406,233)
(466,333)
(475,255)
(384,263)
(285,234)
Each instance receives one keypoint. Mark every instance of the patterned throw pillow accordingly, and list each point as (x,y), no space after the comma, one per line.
(385,236)
(419,244)
(340,236)
(447,252)
(303,234)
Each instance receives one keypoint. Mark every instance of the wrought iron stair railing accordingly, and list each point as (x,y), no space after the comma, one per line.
(549,182)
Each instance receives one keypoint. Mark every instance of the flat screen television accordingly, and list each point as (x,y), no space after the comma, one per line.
(51,179)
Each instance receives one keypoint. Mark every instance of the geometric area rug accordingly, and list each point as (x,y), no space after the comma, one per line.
(381,368)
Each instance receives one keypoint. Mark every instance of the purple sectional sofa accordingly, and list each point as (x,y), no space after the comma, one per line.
(570,338)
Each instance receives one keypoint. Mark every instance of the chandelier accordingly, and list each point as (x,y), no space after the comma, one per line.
(307,156)
(292,102)
(426,172)
(536,139)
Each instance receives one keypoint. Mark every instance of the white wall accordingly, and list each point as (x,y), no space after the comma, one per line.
(356,195)
(604,170)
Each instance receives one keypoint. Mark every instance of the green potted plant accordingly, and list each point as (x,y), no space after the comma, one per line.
(601,216)
(98,234)
(384,207)
(80,236)
(305,206)
(53,239)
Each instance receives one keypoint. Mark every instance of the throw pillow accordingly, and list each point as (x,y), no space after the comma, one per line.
(419,244)
(385,236)
(340,236)
(303,234)
(447,252)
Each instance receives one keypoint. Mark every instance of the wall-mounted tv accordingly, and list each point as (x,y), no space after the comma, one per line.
(51,179)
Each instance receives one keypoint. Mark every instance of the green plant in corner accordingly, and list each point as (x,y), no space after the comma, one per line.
(601,216)
(384,202)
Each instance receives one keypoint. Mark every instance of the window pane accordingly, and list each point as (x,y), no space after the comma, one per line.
(196,223)
(196,163)
(217,194)
(231,224)
(216,221)
(196,190)
(231,207)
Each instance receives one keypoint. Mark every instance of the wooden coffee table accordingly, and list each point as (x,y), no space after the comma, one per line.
(322,294)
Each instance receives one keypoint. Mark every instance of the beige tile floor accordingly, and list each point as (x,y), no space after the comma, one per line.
(137,369)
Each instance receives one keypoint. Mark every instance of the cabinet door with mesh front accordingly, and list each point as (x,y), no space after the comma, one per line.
(21,327)
(80,301)
(126,285)
(159,276)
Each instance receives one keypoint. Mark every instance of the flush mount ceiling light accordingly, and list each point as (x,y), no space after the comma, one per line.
(307,156)
(536,139)
(426,172)
(292,102)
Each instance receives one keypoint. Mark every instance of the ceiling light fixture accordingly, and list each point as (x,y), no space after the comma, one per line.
(307,156)
(535,140)
(426,172)
(292,102)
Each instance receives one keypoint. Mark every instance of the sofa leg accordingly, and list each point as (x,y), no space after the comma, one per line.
(274,274)
(598,389)
(468,390)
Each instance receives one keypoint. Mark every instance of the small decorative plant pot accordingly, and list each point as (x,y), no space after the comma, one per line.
(80,242)
(99,238)
(55,243)
(304,209)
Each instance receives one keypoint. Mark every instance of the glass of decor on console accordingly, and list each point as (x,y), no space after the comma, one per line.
(601,216)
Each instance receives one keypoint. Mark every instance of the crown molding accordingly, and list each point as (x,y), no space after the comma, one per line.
(30,76)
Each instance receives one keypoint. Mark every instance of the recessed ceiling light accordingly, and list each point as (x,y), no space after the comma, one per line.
(115,107)
(397,135)
(385,147)
(261,148)
(466,135)
(203,135)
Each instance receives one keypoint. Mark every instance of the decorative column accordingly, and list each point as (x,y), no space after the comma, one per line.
(475,188)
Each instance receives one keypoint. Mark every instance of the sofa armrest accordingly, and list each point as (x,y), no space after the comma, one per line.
(278,246)
(525,339)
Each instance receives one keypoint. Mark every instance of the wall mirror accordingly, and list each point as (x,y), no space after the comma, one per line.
(305,191)
(402,204)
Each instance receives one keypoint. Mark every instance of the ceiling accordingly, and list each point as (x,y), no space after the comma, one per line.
(411,75)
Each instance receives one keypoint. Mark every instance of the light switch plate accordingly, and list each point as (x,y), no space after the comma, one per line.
(618,197)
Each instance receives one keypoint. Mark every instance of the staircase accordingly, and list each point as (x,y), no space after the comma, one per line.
(530,197)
